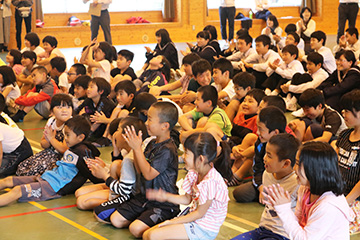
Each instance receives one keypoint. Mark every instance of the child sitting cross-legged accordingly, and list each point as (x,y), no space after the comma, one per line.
(279,160)
(69,174)
(204,188)
(158,168)
(123,70)
(24,79)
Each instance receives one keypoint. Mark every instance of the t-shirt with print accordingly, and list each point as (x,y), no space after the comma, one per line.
(129,71)
(269,219)
(194,85)
(217,116)
(349,154)
(103,71)
(331,121)
(213,188)
(164,159)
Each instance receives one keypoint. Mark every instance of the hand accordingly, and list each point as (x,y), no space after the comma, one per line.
(99,118)
(190,45)
(186,98)
(49,133)
(342,41)
(267,31)
(232,45)
(167,222)
(277,38)
(155,90)
(247,65)
(95,2)
(76,60)
(285,87)
(148,50)
(237,151)
(132,138)
(97,168)
(292,125)
(156,194)
(276,195)
(184,53)
(32,94)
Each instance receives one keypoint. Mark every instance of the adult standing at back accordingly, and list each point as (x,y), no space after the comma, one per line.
(227,11)
(348,10)
(5,19)
(22,12)
(103,20)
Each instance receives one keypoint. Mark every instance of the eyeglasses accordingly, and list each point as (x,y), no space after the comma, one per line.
(71,74)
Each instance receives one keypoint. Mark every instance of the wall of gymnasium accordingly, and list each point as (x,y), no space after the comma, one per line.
(191,17)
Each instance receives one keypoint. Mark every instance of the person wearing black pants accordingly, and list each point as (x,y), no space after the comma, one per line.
(227,11)
(348,10)
(21,15)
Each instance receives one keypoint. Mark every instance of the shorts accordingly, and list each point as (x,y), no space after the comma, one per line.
(316,129)
(194,232)
(145,211)
(34,188)
(43,109)
(106,209)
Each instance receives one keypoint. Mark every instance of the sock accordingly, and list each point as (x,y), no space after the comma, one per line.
(235,181)
(19,116)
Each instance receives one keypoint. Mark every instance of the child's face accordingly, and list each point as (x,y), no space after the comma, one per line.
(239,91)
(312,112)
(261,49)
(71,75)
(271,160)
(312,68)
(306,15)
(9,58)
(219,77)
(263,132)
(1,79)
(92,91)
(187,69)
(351,39)
(119,139)
(153,124)
(62,112)
(269,23)
(158,39)
(287,57)
(38,77)
(47,47)
(299,170)
(242,46)
(156,61)
(27,43)
(204,78)
(71,138)
(249,105)
(290,40)
(315,44)
(99,55)
(202,42)
(123,98)
(79,91)
(122,63)
(343,64)
(26,62)
(189,160)
(201,106)
(351,120)
(262,105)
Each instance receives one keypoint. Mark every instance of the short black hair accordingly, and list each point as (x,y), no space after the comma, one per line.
(16,54)
(61,99)
(244,80)
(286,146)
(224,65)
(128,55)
(352,31)
(114,125)
(8,76)
(315,58)
(212,30)
(102,85)
(257,94)
(190,58)
(126,85)
(292,49)
(295,36)
(33,39)
(167,112)
(58,63)
(312,98)
(82,81)
(276,101)
(273,118)
(165,36)
(144,100)
(41,69)
(319,35)
(2,103)
(209,93)
(29,55)
(80,69)
(274,20)
(138,124)
(79,125)
(108,50)
(246,37)
(351,101)
(320,163)
(291,27)
(200,66)
(50,40)
(203,34)
(264,39)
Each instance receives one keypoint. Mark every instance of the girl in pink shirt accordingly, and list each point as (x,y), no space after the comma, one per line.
(321,211)
(205,189)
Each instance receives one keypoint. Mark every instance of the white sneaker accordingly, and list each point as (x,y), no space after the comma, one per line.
(299,113)
(274,93)
(291,104)
(267,92)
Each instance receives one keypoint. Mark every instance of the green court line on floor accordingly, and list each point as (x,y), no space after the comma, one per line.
(237,228)
(242,220)
(70,222)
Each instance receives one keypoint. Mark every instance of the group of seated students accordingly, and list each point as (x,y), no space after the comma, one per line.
(224,110)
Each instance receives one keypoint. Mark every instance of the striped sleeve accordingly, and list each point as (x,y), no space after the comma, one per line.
(189,180)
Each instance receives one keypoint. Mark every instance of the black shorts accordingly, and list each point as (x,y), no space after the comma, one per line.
(106,209)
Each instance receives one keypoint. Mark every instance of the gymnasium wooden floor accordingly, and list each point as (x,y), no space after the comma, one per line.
(60,219)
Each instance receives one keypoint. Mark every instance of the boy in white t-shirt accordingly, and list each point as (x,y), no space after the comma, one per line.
(222,74)
(50,46)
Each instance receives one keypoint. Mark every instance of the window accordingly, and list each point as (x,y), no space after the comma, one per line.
(250,4)
(77,6)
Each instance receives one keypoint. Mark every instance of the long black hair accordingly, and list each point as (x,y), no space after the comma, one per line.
(165,36)
(8,76)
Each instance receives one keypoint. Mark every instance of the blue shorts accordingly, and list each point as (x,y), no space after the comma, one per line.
(195,232)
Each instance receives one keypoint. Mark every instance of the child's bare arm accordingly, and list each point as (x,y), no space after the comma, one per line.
(184,121)
(1,152)
(232,109)
(324,138)
(354,193)
(162,196)
(49,135)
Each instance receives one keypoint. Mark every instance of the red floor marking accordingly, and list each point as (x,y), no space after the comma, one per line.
(31,129)
(39,211)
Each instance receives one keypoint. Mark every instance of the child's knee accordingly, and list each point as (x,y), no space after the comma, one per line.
(202,122)
(137,228)
(118,221)
(149,234)
(17,191)
(81,203)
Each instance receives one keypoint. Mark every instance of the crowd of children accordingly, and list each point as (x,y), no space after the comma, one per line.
(225,112)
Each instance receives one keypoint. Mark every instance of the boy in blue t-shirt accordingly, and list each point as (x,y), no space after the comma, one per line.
(69,175)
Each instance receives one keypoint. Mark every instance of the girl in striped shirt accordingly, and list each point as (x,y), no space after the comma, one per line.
(205,189)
